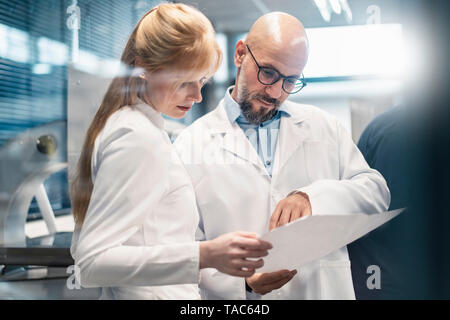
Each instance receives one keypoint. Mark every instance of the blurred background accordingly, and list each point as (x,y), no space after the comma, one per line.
(58,56)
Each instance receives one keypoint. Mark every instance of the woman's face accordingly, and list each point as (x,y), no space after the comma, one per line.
(173,93)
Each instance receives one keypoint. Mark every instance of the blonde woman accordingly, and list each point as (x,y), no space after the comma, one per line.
(133,202)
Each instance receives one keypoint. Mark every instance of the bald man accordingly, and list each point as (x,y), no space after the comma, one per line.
(259,161)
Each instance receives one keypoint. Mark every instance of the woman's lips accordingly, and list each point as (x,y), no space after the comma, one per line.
(184,108)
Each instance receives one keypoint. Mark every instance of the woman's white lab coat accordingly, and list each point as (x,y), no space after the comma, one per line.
(137,240)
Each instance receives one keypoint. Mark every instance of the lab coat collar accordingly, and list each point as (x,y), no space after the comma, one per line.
(225,115)
(231,138)
(234,111)
(154,116)
(220,121)
(296,112)
(293,131)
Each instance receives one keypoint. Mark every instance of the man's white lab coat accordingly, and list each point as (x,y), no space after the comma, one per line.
(314,154)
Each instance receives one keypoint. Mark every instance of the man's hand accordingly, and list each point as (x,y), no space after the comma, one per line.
(263,283)
(293,207)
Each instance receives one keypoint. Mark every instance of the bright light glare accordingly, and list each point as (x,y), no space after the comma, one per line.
(222,73)
(42,68)
(334,51)
(3,40)
(14,44)
(91,63)
(356,50)
(52,52)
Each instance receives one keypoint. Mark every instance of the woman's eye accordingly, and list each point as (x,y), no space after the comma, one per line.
(202,81)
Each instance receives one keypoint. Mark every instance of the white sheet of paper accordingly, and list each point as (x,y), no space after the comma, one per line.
(313,237)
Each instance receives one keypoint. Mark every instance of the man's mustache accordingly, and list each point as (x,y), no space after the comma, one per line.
(267,99)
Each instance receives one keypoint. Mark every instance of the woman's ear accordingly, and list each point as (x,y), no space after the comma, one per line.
(138,62)
(139,71)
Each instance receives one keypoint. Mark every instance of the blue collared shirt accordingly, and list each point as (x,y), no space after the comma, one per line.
(263,137)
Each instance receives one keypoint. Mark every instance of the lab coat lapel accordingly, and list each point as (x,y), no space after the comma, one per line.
(293,131)
(234,140)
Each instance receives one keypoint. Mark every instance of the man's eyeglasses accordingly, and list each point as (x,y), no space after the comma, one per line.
(269,76)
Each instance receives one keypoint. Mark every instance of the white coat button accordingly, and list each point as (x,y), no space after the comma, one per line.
(268,162)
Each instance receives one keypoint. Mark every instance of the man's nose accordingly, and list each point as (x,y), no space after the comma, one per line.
(275,90)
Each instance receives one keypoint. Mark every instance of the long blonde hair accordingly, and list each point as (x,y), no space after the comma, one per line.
(168,36)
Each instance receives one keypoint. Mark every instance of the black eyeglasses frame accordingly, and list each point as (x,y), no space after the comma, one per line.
(300,82)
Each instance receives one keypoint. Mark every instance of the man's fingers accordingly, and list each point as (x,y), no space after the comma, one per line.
(296,214)
(284,217)
(278,284)
(271,277)
(306,212)
(275,217)
(289,209)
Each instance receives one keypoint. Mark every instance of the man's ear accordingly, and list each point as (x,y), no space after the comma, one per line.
(239,53)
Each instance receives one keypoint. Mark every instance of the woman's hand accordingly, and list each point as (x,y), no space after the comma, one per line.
(228,253)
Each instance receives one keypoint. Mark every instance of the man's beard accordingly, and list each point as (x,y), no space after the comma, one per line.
(256,117)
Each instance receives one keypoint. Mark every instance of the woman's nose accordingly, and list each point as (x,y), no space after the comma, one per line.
(196,93)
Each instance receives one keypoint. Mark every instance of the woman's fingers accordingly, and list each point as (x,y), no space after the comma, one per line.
(241,273)
(253,244)
(248,264)
(245,234)
(253,253)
